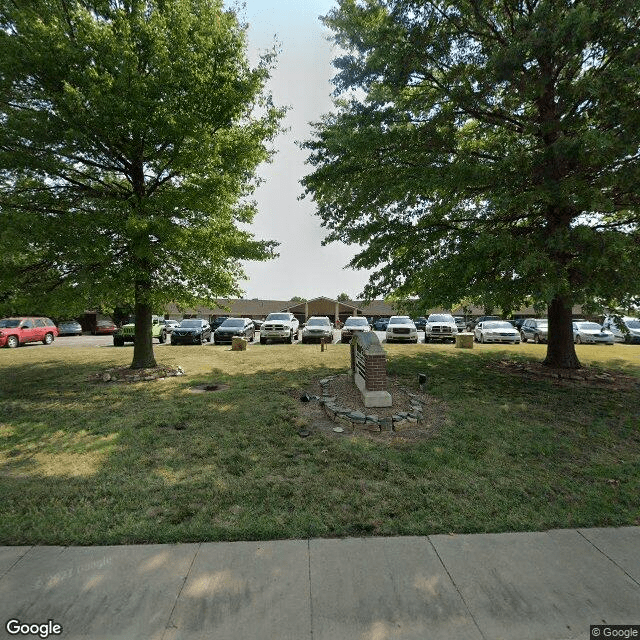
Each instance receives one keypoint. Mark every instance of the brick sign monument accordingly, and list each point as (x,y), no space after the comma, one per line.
(369,369)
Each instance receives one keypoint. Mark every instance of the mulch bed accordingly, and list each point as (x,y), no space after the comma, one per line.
(585,376)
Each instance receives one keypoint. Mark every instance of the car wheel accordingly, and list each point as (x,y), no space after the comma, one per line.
(162,338)
(578,340)
(118,342)
(482,338)
(48,338)
(290,338)
(536,338)
(523,337)
(13,342)
(263,341)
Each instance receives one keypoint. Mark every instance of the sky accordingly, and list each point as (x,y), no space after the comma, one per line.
(301,81)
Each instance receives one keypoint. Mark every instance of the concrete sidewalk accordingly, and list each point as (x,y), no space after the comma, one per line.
(520,586)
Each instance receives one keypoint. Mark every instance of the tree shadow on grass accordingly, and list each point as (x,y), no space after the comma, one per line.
(103,463)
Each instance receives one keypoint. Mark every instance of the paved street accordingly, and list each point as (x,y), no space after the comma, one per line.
(510,586)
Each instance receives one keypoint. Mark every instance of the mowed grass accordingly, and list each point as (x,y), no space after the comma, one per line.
(93,463)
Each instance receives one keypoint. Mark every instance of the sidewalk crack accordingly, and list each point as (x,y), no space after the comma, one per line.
(175,604)
(453,582)
(595,546)
(310,594)
(16,562)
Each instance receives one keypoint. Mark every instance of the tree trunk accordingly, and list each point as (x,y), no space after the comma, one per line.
(561,351)
(143,357)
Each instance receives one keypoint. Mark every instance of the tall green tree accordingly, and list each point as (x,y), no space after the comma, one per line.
(130,134)
(487,148)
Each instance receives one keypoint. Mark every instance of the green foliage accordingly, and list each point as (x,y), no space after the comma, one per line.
(485,150)
(131,132)
(343,297)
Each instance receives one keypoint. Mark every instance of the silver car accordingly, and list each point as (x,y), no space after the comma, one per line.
(496,331)
(316,328)
(591,333)
(402,329)
(353,325)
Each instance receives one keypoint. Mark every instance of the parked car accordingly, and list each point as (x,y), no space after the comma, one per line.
(440,326)
(234,328)
(420,323)
(105,327)
(353,325)
(473,322)
(316,328)
(591,333)
(381,324)
(461,323)
(170,325)
(69,328)
(17,331)
(623,328)
(496,331)
(127,332)
(280,326)
(401,328)
(191,331)
(535,329)
(216,322)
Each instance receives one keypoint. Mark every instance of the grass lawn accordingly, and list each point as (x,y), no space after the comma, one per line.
(93,463)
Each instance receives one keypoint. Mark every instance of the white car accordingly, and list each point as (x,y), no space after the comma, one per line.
(496,331)
(440,326)
(591,333)
(353,325)
(317,328)
(279,326)
(617,327)
(401,328)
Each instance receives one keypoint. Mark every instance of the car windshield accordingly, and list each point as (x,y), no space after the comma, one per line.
(436,317)
(497,325)
(278,316)
(356,322)
(189,324)
(589,326)
(318,322)
(232,322)
(400,320)
(633,324)
(10,323)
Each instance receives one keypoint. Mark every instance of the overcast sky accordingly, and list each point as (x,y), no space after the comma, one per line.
(302,81)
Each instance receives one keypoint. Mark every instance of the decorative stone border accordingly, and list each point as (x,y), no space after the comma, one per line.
(119,374)
(369,422)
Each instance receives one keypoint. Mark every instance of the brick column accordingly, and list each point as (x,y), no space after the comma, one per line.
(376,372)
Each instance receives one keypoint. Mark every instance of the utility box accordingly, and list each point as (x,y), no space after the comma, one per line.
(238,344)
(464,341)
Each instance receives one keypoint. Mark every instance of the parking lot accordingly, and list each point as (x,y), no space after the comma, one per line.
(88,340)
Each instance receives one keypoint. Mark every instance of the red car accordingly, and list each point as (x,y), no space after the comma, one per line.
(105,327)
(17,331)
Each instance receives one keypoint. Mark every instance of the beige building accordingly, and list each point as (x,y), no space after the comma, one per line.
(322,306)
